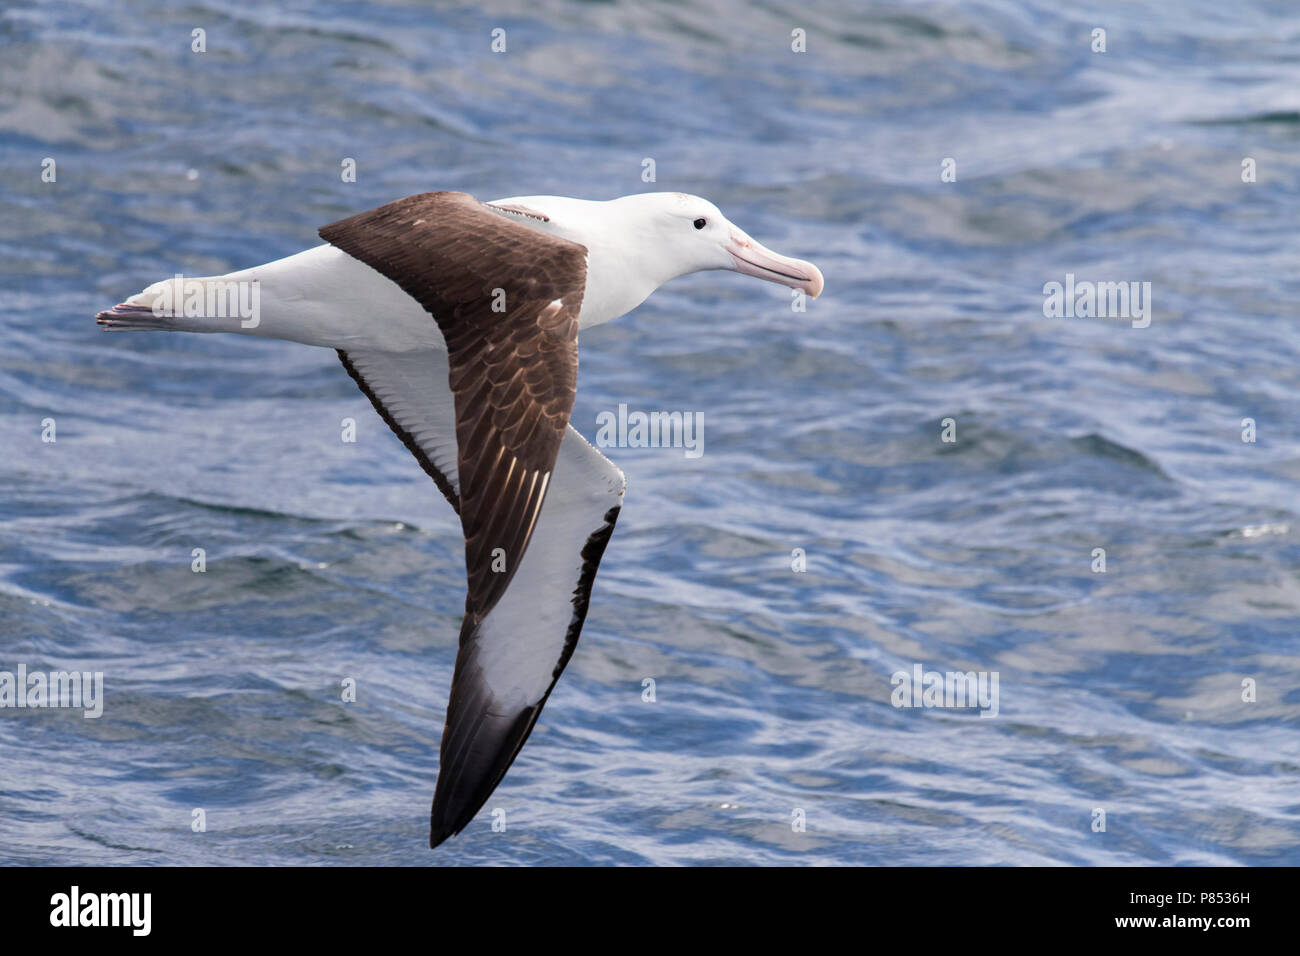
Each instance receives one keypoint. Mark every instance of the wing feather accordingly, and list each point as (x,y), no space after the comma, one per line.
(513,373)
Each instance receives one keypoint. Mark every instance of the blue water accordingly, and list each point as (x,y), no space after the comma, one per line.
(1118,691)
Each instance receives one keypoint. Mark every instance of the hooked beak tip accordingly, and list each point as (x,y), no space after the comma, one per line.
(815,282)
(753,258)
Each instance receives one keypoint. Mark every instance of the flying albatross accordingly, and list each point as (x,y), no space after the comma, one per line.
(459,320)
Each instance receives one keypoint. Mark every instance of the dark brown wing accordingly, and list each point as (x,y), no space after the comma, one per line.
(506,297)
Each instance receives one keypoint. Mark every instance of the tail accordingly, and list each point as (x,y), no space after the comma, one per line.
(135,318)
(207,304)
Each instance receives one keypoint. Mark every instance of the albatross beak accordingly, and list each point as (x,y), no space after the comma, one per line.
(754,259)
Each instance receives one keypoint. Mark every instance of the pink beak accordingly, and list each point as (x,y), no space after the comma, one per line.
(755,259)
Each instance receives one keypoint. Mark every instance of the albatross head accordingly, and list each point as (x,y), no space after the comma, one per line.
(688,234)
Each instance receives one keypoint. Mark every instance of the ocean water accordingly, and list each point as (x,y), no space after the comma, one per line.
(1118,690)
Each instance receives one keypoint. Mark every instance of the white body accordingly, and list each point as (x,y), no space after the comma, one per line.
(322,296)
(634,244)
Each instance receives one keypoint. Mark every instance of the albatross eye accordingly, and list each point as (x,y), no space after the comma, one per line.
(700,224)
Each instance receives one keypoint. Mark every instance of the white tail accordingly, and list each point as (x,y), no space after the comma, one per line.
(196,304)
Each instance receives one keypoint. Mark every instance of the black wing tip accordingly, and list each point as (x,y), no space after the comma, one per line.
(443,823)
(467,780)
(440,834)
(450,816)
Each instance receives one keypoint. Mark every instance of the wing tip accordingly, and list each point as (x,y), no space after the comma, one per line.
(443,825)
(440,834)
(478,747)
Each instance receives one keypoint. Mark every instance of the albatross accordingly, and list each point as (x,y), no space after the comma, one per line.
(459,319)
